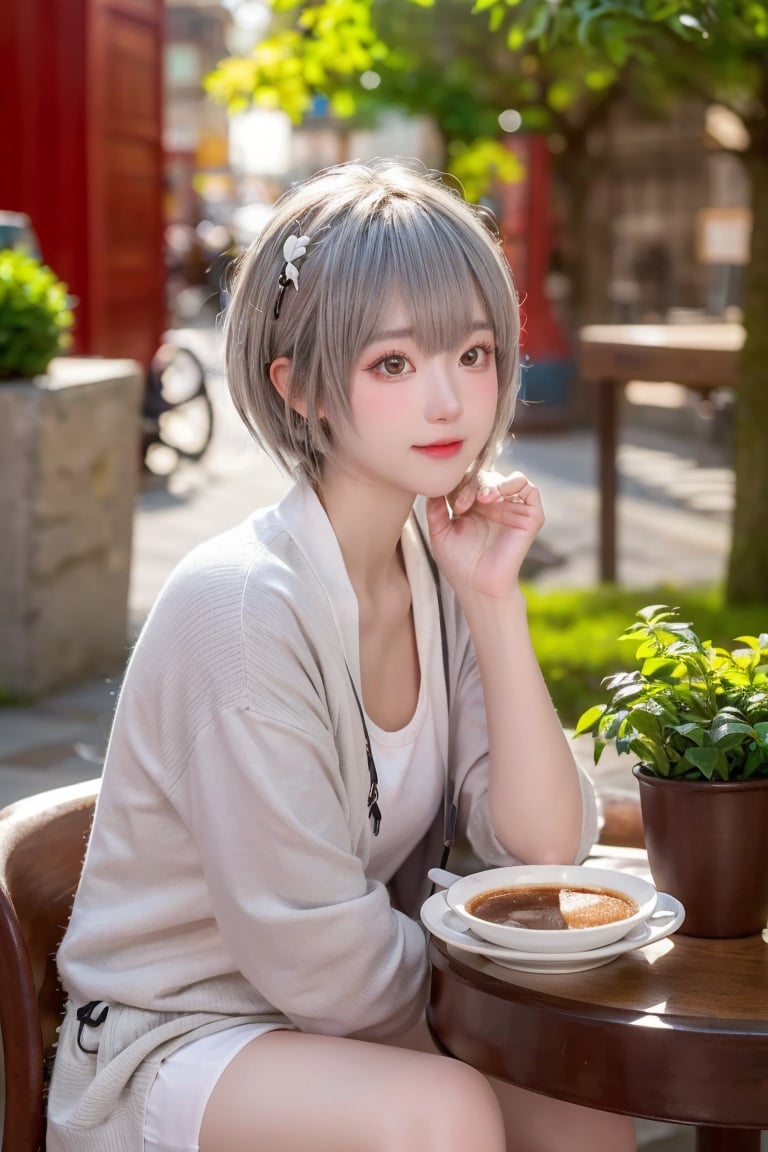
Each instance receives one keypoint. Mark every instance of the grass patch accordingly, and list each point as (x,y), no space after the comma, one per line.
(575,630)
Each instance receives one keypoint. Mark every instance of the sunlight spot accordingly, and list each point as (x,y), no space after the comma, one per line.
(510,120)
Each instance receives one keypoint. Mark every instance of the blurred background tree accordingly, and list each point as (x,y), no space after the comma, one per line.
(559,68)
(479,85)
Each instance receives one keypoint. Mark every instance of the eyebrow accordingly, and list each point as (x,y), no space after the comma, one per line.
(405,333)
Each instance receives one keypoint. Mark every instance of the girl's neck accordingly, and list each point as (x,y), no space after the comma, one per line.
(368,522)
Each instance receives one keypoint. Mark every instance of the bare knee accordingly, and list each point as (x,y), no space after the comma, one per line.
(449,1107)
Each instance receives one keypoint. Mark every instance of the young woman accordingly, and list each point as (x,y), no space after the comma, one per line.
(320,699)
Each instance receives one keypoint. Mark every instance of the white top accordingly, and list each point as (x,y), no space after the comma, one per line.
(408,763)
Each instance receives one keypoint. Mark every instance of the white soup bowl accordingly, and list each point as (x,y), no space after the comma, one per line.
(521,939)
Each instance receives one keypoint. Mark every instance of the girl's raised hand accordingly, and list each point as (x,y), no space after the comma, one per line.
(481,545)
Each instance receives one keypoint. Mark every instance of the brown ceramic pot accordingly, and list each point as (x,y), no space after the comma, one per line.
(707,844)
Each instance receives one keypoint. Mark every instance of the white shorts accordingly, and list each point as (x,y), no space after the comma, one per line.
(183,1086)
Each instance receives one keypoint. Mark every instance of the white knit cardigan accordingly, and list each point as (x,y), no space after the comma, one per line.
(225,876)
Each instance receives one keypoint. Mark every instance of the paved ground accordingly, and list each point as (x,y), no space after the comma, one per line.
(677,492)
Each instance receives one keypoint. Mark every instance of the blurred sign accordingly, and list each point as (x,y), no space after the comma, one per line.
(212,151)
(723,235)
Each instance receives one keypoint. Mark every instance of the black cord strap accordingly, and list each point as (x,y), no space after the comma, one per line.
(451,811)
(374,811)
(88,1020)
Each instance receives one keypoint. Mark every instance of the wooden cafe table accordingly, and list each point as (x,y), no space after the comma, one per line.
(702,356)
(676,1031)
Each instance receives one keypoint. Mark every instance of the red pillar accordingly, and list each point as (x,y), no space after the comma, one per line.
(527,228)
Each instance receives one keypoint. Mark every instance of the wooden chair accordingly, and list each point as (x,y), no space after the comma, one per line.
(42,844)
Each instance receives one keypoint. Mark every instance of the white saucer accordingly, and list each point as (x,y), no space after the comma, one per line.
(438,918)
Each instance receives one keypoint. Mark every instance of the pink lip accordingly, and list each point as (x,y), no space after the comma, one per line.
(441,450)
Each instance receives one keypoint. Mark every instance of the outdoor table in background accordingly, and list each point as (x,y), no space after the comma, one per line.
(675,1031)
(702,356)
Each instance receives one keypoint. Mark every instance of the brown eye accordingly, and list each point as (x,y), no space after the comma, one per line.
(477,356)
(393,365)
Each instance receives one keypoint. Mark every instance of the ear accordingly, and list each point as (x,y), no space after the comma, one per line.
(279,374)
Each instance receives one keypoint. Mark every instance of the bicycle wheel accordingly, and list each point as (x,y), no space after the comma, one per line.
(178,403)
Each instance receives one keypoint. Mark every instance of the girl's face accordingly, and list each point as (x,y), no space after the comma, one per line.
(418,421)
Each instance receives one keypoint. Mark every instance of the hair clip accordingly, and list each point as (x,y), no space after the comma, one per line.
(293,248)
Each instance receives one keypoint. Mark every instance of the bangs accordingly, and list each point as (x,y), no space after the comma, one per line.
(446,278)
(437,288)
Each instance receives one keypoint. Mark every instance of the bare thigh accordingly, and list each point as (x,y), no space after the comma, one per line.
(290,1091)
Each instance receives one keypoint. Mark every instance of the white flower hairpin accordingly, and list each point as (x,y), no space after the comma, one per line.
(293,249)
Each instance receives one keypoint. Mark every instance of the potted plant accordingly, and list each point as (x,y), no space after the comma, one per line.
(35,316)
(696,718)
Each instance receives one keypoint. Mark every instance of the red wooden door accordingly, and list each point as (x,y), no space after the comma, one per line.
(124,48)
(81,124)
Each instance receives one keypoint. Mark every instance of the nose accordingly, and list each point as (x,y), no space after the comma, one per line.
(442,402)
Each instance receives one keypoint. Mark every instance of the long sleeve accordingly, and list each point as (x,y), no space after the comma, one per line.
(294,908)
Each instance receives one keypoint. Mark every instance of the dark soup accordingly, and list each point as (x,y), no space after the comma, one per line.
(551,906)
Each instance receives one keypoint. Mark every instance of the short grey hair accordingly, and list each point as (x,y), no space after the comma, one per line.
(377,233)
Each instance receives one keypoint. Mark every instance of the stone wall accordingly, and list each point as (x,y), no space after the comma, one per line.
(69,473)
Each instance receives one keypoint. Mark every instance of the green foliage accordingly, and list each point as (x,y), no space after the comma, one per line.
(325,48)
(432,59)
(689,709)
(35,317)
(554,63)
(575,633)
(618,29)
(474,164)
(549,59)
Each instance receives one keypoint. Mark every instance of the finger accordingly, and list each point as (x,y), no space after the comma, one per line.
(516,488)
(527,494)
(513,514)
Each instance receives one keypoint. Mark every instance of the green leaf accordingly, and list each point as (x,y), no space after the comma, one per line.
(645,722)
(707,760)
(755,760)
(620,678)
(515,38)
(721,732)
(650,753)
(660,667)
(611,722)
(761,733)
(343,104)
(654,612)
(692,732)
(589,719)
(628,692)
